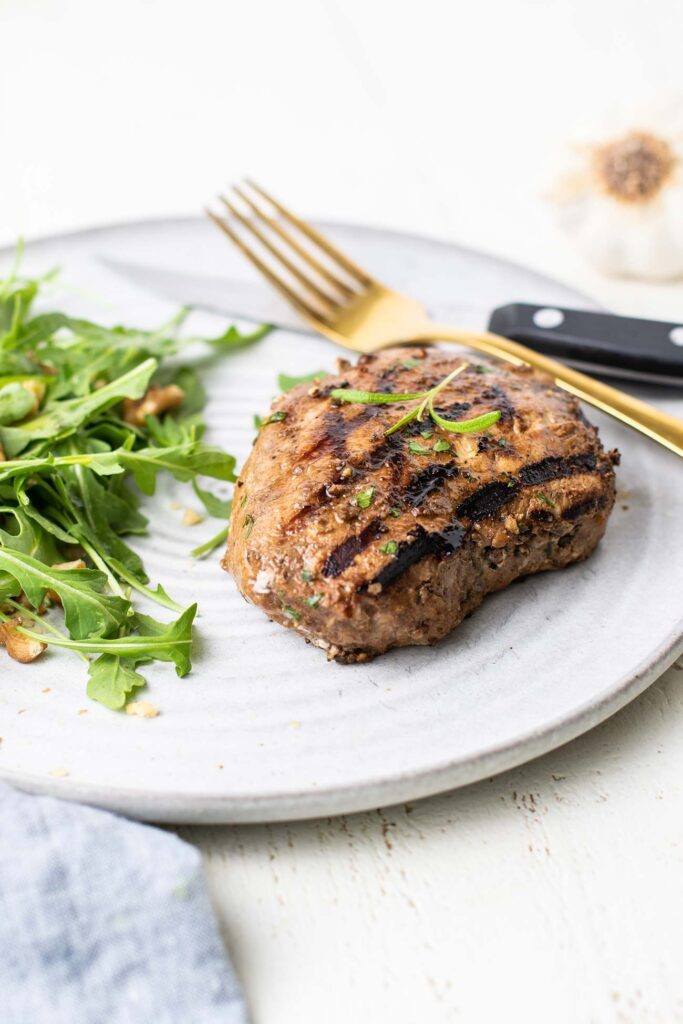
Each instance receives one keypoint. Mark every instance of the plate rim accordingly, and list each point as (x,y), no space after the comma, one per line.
(209,809)
(350,798)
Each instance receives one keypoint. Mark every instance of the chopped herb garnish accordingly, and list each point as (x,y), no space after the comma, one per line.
(442,446)
(314,601)
(395,511)
(510,480)
(243,502)
(390,548)
(258,422)
(248,523)
(410,363)
(424,406)
(545,499)
(502,443)
(275,417)
(426,434)
(292,612)
(478,368)
(419,449)
(286,383)
(306,576)
(364,499)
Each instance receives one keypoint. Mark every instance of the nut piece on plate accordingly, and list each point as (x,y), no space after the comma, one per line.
(22,648)
(153,403)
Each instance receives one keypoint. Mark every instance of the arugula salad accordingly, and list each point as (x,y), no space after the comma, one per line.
(89,415)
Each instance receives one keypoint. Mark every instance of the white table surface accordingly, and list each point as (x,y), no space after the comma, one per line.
(551,893)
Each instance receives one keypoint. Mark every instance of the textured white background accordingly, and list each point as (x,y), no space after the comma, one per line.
(552,893)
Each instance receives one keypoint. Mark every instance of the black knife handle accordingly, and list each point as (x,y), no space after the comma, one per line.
(621,345)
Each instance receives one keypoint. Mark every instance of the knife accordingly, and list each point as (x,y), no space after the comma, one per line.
(615,346)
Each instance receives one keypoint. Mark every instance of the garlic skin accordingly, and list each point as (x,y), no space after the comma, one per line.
(622,200)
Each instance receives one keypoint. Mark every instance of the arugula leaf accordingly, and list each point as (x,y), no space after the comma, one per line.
(112,679)
(16,401)
(286,383)
(64,484)
(233,338)
(64,416)
(30,537)
(87,611)
(210,545)
(162,642)
(159,594)
(217,507)
(184,461)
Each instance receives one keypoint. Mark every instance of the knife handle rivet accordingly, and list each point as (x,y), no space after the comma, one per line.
(676,335)
(548,318)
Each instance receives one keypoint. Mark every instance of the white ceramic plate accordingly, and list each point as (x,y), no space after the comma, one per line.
(264,729)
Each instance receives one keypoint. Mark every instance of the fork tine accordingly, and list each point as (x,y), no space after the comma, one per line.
(298,301)
(303,253)
(323,296)
(349,266)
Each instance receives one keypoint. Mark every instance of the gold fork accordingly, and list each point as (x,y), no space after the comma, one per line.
(342,301)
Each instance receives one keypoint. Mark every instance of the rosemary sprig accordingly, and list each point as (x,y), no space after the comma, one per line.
(425,405)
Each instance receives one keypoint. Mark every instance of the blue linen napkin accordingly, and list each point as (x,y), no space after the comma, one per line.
(103,919)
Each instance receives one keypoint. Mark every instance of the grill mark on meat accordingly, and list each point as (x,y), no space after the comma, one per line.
(554,467)
(581,508)
(421,544)
(336,428)
(428,480)
(486,500)
(501,401)
(346,552)
(389,450)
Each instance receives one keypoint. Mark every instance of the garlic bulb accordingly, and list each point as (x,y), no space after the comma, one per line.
(622,202)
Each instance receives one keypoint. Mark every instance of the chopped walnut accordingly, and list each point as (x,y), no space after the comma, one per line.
(36,389)
(153,403)
(22,648)
(500,538)
(77,563)
(25,603)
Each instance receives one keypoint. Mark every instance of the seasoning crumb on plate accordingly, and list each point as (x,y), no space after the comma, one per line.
(58,773)
(142,709)
(192,518)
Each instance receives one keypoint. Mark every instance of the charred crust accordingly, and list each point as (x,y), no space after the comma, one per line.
(486,500)
(556,467)
(427,481)
(583,508)
(419,544)
(345,553)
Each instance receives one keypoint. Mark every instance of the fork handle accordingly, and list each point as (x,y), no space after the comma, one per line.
(659,426)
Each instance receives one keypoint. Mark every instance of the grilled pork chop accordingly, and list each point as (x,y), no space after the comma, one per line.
(361,542)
